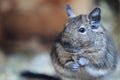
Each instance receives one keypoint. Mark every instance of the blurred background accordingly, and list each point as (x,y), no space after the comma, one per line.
(28,29)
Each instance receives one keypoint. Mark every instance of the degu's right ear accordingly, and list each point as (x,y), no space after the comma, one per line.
(95,15)
(70,12)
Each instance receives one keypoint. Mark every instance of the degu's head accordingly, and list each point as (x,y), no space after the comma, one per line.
(82,31)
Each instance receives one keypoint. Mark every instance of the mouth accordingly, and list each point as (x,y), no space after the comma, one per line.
(69,48)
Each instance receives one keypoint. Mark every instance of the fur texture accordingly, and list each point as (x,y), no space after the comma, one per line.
(84,50)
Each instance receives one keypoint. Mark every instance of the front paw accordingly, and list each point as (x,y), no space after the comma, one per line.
(75,66)
(83,61)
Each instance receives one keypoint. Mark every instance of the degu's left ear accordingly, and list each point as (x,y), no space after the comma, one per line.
(95,15)
(70,12)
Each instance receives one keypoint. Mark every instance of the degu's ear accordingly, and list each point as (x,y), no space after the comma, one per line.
(70,12)
(95,15)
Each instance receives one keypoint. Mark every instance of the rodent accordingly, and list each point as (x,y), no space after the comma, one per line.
(84,50)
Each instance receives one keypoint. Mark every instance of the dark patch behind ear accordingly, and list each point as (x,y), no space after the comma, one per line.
(95,15)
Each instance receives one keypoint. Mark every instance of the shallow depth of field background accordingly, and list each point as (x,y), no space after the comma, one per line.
(28,29)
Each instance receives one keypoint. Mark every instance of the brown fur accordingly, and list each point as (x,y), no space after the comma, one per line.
(95,45)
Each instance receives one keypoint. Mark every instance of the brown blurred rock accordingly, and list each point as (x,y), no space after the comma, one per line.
(2,62)
(27,19)
(24,19)
(34,18)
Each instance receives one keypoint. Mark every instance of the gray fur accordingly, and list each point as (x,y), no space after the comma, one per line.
(93,50)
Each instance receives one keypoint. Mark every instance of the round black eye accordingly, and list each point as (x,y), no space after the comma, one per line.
(82,30)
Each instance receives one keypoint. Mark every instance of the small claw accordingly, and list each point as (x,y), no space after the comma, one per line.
(75,66)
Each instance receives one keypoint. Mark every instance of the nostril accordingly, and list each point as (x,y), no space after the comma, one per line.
(66,44)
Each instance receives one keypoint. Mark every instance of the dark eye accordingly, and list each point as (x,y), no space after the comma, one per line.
(82,30)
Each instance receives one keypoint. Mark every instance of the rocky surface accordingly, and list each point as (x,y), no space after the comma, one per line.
(37,62)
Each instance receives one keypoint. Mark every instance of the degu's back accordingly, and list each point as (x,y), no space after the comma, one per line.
(84,50)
